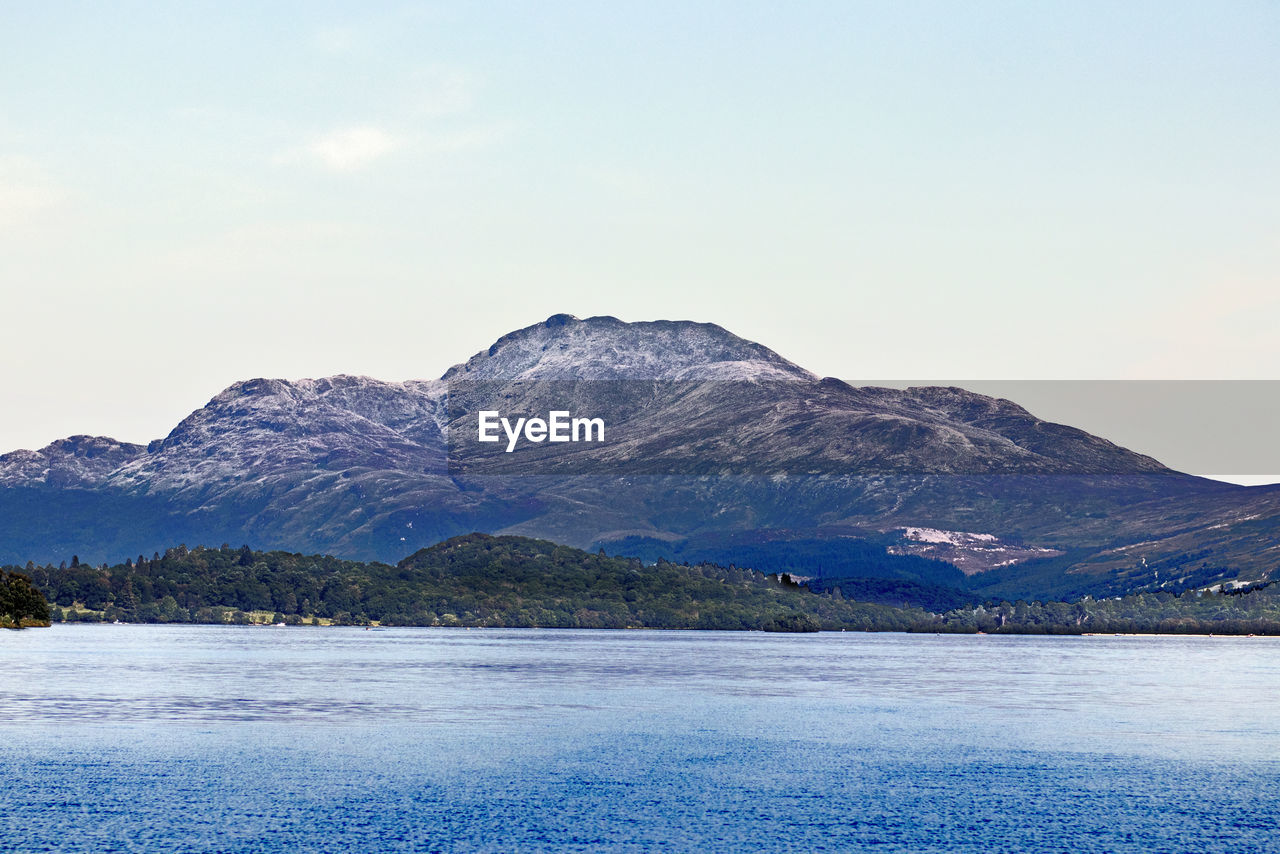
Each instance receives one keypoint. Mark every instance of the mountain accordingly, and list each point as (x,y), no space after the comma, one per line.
(714,447)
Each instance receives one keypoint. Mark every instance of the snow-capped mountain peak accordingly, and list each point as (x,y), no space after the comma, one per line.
(605,348)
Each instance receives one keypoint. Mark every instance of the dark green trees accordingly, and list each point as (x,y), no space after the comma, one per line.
(21,604)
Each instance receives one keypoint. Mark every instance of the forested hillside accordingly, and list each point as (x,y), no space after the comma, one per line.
(480,580)
(475,580)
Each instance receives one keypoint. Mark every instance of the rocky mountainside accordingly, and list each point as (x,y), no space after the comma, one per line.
(76,462)
(710,440)
(605,348)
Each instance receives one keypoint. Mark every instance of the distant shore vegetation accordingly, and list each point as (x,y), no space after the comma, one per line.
(480,580)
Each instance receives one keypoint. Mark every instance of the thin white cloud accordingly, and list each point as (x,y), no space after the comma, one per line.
(354,148)
(465,139)
(441,91)
(623,182)
(252,252)
(335,40)
(25,190)
(349,149)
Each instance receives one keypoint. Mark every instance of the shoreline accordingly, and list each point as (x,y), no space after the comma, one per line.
(381,628)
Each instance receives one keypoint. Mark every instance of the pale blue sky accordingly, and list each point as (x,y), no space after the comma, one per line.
(196,193)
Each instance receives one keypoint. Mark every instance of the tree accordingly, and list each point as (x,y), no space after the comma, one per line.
(20,602)
(128,600)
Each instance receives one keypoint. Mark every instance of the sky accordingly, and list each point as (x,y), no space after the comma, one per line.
(194,194)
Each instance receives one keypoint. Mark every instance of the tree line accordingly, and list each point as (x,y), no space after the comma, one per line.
(481,580)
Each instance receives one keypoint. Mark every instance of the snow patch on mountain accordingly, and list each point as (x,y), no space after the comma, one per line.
(262,425)
(970,552)
(77,462)
(605,348)
(955,538)
(743,370)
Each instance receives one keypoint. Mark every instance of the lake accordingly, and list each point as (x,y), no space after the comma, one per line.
(209,739)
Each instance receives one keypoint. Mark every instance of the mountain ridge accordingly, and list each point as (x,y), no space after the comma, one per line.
(708,432)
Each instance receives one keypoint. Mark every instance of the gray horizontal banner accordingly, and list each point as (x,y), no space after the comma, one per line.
(712,427)
(1216,428)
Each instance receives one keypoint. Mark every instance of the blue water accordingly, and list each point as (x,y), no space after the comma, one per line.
(206,739)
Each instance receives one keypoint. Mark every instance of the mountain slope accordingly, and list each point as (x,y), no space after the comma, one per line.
(708,436)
